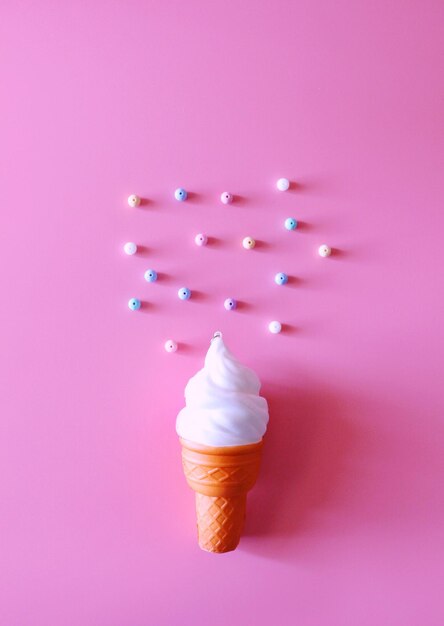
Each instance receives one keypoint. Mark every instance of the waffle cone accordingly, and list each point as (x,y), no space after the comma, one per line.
(221,478)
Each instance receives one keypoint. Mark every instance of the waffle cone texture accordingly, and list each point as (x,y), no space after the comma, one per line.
(221,478)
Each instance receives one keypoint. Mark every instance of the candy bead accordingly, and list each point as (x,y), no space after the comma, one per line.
(170,346)
(230,304)
(150,276)
(283,184)
(248,243)
(201,240)
(281,278)
(324,250)
(133,200)
(275,327)
(184,293)
(180,194)
(291,223)
(134,304)
(130,248)
(226,197)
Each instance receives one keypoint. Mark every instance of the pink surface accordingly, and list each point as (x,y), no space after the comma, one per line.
(104,99)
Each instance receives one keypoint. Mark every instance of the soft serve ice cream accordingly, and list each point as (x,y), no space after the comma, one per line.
(220,431)
(223,405)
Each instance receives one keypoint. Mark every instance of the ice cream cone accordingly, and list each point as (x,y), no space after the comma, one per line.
(221,478)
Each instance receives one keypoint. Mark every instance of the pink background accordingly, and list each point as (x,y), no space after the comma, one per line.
(102,99)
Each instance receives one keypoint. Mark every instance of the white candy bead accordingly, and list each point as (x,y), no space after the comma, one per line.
(130,248)
(283,184)
(275,327)
(170,346)
(133,200)
(324,250)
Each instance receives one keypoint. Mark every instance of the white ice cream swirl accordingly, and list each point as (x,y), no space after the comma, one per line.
(223,405)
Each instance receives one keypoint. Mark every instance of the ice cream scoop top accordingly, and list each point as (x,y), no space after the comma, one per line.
(223,405)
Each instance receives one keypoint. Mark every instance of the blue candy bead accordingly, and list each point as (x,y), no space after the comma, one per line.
(184,293)
(281,278)
(134,304)
(180,194)
(150,276)
(291,223)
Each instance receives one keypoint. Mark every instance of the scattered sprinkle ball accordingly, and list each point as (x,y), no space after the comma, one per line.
(290,223)
(281,278)
(130,248)
(184,293)
(180,194)
(226,197)
(248,243)
(201,239)
(150,276)
(133,200)
(275,327)
(170,346)
(134,304)
(283,184)
(324,250)
(230,304)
